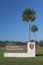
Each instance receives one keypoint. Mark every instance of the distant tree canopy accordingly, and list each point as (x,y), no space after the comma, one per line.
(41,43)
(3,43)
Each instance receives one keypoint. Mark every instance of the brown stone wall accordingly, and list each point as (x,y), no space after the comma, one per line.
(16,48)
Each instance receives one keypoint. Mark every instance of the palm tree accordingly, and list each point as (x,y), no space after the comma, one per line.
(34,29)
(28,15)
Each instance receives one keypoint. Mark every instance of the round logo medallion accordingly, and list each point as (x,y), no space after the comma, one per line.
(31,46)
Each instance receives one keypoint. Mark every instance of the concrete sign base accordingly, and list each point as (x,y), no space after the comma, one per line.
(30,51)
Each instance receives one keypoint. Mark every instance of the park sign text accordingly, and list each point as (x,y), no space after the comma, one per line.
(17,48)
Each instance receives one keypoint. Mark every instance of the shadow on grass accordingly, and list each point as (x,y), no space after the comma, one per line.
(39,54)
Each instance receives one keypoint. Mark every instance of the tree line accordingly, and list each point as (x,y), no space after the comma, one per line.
(38,43)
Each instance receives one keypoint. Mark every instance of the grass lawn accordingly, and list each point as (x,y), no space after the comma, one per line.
(38,60)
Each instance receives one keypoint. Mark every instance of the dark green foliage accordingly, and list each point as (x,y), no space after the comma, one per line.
(4,43)
(34,28)
(41,43)
(28,15)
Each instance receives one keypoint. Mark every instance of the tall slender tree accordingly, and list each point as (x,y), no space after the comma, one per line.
(28,15)
(34,28)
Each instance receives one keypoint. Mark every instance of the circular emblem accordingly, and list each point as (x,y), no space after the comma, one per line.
(31,46)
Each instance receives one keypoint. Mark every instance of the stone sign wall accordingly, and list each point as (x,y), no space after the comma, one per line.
(16,48)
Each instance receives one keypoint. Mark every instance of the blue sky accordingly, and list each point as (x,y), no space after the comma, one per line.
(12,27)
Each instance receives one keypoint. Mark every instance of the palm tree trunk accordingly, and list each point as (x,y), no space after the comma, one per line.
(34,36)
(29,31)
(35,41)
